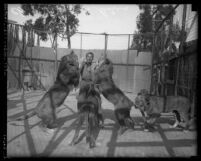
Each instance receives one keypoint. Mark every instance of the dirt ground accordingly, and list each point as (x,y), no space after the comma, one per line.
(25,138)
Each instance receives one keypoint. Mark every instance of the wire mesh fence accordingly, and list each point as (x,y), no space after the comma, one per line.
(42,57)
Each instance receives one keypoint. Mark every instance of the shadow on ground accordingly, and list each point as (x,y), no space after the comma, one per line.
(55,141)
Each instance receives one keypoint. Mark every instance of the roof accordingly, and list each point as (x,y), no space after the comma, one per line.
(191,24)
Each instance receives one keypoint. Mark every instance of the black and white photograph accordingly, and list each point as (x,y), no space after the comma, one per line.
(101,80)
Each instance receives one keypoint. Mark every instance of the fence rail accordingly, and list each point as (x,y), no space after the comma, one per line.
(124,59)
(49,60)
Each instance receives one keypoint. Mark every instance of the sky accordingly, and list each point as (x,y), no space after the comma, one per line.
(111,19)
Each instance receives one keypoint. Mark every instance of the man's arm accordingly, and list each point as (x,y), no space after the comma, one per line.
(82,68)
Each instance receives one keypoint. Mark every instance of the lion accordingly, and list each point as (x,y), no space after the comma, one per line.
(152,106)
(122,104)
(88,109)
(67,79)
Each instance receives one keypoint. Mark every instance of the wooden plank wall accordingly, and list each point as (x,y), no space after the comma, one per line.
(128,78)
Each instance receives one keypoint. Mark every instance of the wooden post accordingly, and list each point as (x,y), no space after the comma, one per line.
(152,59)
(38,40)
(176,79)
(162,75)
(20,57)
(181,48)
(19,64)
(56,53)
(38,45)
(33,41)
(170,50)
(183,27)
(152,67)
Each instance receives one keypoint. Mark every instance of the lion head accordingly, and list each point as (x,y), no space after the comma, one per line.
(68,72)
(142,100)
(103,70)
(71,61)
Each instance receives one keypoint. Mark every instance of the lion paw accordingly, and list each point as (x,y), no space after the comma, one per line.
(98,144)
(149,128)
(71,144)
(92,145)
(172,126)
(121,130)
(50,131)
(185,130)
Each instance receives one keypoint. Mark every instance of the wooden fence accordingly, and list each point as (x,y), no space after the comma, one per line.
(130,72)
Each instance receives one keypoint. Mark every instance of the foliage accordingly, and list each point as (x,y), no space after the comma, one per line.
(147,24)
(142,40)
(144,20)
(54,18)
(176,32)
(162,12)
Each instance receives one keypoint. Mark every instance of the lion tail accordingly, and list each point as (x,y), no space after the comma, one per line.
(30,114)
(93,118)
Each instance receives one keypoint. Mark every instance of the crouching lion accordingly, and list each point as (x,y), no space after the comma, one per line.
(152,106)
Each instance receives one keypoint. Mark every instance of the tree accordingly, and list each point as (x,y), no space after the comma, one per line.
(144,22)
(162,11)
(28,27)
(142,38)
(147,23)
(177,32)
(55,19)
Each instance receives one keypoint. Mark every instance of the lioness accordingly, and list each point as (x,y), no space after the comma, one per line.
(153,106)
(67,78)
(103,78)
(88,105)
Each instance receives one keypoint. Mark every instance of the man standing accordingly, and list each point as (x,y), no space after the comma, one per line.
(86,69)
(86,72)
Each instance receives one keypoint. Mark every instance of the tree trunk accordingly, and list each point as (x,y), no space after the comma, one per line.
(69,42)
(67,27)
(56,61)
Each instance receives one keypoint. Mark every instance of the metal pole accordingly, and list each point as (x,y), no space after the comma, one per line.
(38,41)
(81,45)
(55,50)
(127,74)
(106,38)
